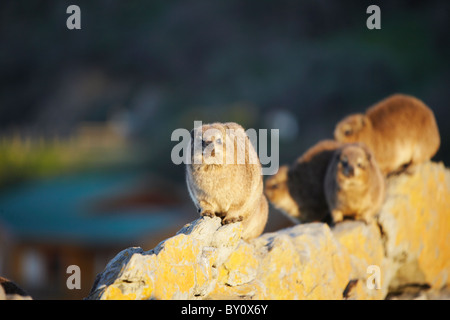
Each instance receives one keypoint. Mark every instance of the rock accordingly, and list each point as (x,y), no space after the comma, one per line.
(415,220)
(302,262)
(12,296)
(181,267)
(364,245)
(11,291)
(206,260)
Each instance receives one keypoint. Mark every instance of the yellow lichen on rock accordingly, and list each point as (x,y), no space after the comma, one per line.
(364,248)
(361,240)
(409,244)
(416,220)
(241,266)
(114,293)
(281,272)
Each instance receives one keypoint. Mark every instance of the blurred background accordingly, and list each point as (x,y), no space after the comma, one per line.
(86,115)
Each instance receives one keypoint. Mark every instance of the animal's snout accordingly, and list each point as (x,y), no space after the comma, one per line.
(348,170)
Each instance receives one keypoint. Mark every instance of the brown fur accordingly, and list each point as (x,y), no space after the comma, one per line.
(297,190)
(224,188)
(354,185)
(400,130)
(305,181)
(277,191)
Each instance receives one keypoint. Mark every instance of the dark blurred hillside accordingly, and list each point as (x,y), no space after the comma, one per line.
(160,65)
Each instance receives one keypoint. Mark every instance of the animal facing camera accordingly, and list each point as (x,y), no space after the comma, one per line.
(232,192)
(233,145)
(347,169)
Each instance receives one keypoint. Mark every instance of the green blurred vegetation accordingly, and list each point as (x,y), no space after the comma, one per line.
(28,159)
(21,160)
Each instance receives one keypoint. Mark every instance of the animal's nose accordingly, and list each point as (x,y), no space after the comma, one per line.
(348,170)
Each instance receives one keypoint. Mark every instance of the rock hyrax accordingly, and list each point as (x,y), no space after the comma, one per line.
(305,181)
(354,185)
(400,130)
(277,191)
(225,178)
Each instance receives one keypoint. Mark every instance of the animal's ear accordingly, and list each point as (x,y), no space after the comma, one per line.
(366,151)
(363,120)
(369,156)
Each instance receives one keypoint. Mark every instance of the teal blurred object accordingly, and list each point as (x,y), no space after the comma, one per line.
(62,209)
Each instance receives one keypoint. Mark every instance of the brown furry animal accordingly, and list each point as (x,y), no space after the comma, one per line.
(305,181)
(400,130)
(354,185)
(277,191)
(225,178)
(297,190)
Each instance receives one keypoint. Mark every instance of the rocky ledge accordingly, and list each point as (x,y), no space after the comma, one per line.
(409,247)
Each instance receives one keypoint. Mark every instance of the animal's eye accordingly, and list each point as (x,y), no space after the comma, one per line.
(348,132)
(360,165)
(219,141)
(275,186)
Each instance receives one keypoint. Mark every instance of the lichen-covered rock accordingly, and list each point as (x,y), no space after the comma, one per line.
(11,291)
(415,220)
(206,260)
(4,296)
(364,245)
(303,262)
(182,267)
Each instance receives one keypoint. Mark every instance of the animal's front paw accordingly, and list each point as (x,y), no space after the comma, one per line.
(207,213)
(337,215)
(232,219)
